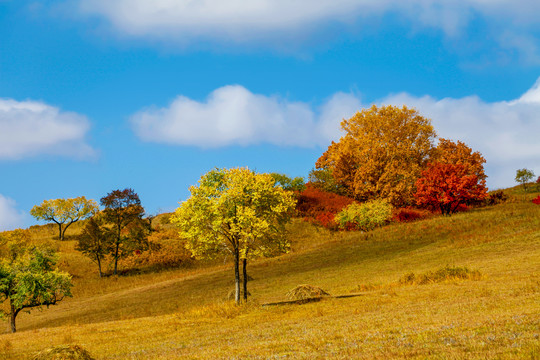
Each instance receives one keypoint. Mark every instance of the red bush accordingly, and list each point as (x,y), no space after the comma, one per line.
(409,214)
(538,180)
(319,206)
(536,200)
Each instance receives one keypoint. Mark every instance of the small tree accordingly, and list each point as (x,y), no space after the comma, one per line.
(28,280)
(235,211)
(96,241)
(366,216)
(64,212)
(523,176)
(447,186)
(122,207)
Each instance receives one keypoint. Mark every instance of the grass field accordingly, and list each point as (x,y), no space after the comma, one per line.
(183,312)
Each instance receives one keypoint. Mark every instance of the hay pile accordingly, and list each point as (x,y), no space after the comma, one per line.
(306,291)
(64,352)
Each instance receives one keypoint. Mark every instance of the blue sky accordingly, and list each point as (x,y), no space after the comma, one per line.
(97,95)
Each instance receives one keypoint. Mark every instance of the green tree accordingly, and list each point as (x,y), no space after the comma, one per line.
(29,280)
(288,183)
(523,176)
(235,211)
(122,208)
(64,212)
(96,241)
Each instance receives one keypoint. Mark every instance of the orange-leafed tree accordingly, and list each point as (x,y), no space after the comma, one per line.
(449,152)
(382,153)
(447,186)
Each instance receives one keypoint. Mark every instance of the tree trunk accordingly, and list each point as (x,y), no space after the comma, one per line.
(99,265)
(12,316)
(116,251)
(60,233)
(245,275)
(116,257)
(237,275)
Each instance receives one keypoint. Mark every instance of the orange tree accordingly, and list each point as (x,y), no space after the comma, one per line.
(447,186)
(449,152)
(382,153)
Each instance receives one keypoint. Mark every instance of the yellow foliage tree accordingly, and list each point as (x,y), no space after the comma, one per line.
(382,153)
(236,211)
(64,212)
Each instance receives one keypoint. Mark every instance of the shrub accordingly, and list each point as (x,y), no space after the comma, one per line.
(443,274)
(496,197)
(366,216)
(409,214)
(319,206)
(306,291)
(536,200)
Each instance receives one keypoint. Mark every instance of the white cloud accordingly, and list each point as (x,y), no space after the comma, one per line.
(10,217)
(248,21)
(230,115)
(30,128)
(505,132)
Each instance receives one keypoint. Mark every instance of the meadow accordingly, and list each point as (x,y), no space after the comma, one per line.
(183,312)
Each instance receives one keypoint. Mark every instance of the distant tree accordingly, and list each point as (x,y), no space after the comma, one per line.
(523,176)
(447,186)
(382,153)
(288,183)
(235,211)
(64,212)
(96,241)
(122,207)
(28,280)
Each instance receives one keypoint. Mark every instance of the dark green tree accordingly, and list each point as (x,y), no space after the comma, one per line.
(122,208)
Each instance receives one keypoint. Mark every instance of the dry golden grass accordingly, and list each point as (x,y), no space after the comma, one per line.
(183,313)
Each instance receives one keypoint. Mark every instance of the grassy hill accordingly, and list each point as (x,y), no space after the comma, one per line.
(184,312)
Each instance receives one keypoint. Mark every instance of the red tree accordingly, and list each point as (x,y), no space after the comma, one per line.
(449,186)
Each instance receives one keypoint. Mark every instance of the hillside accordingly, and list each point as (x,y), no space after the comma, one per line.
(184,312)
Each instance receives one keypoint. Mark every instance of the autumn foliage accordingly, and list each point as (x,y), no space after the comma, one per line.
(409,214)
(381,155)
(536,200)
(320,206)
(448,187)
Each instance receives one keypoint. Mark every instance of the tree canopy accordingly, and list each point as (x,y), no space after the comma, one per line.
(122,208)
(28,278)
(447,186)
(382,153)
(523,176)
(449,152)
(64,212)
(235,211)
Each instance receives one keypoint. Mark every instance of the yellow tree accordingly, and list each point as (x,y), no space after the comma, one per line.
(235,211)
(64,212)
(382,153)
